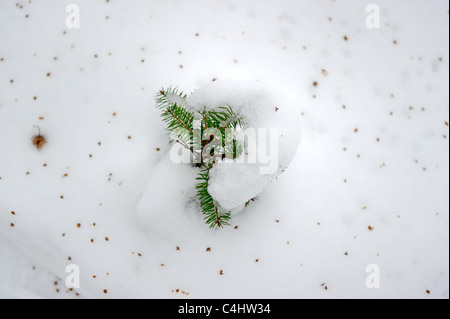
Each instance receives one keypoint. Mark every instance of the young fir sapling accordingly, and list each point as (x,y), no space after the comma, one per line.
(208,139)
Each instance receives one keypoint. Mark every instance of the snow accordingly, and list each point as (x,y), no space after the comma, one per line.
(20,278)
(374,150)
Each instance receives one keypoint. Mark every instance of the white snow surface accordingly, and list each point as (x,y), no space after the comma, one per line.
(374,153)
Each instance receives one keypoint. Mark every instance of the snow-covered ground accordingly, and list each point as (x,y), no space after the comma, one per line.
(369,184)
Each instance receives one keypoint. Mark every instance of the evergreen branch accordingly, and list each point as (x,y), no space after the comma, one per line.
(175,115)
(224,117)
(169,97)
(180,121)
(212,215)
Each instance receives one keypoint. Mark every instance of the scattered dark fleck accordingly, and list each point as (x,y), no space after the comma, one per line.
(39,141)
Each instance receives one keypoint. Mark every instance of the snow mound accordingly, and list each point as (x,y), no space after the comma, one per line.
(231,184)
(266,111)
